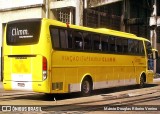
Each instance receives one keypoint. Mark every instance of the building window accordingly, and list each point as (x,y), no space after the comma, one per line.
(66,15)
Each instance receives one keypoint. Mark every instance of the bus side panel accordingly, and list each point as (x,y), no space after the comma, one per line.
(106,70)
(6,73)
(140,67)
(150,75)
(58,77)
(103,78)
(71,79)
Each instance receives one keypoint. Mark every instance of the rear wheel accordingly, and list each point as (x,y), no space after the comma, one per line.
(86,87)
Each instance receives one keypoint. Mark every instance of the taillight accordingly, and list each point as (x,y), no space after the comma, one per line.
(44,68)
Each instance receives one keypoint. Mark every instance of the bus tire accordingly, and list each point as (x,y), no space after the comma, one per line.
(86,87)
(142,81)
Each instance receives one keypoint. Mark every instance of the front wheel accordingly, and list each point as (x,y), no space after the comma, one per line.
(142,82)
(86,87)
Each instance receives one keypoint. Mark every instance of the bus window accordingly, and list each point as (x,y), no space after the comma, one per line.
(136,46)
(70,39)
(125,45)
(87,41)
(96,42)
(131,46)
(141,48)
(78,41)
(104,43)
(55,37)
(63,39)
(119,45)
(112,47)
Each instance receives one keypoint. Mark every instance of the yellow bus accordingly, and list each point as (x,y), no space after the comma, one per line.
(44,55)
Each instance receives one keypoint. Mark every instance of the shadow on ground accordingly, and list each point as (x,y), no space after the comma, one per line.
(53,97)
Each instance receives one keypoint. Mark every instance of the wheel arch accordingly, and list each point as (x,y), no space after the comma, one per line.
(88,76)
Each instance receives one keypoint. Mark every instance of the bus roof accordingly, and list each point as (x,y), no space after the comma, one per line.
(96,30)
(144,39)
(110,31)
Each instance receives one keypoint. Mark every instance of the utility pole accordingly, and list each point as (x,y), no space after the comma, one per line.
(153,25)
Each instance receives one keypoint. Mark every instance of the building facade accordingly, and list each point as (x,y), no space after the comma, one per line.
(140,17)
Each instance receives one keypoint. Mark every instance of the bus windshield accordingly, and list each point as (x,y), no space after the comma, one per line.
(23,33)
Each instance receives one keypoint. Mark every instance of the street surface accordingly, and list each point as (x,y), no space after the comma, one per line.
(127,100)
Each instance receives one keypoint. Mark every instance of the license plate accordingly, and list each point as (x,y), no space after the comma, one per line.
(21,84)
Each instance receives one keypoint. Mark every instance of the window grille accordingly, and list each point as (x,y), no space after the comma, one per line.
(64,15)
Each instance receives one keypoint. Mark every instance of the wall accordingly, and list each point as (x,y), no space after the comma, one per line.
(17,4)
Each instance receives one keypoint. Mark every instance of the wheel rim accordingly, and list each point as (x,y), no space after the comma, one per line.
(86,87)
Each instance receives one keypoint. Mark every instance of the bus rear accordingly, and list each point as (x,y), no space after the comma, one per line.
(25,56)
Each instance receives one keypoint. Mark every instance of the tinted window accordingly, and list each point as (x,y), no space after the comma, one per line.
(125,45)
(87,41)
(96,42)
(141,48)
(70,39)
(131,46)
(78,41)
(23,33)
(55,37)
(104,43)
(112,47)
(63,39)
(136,46)
(119,45)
